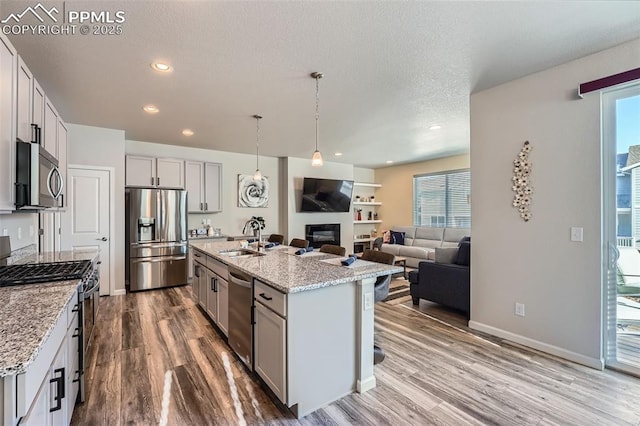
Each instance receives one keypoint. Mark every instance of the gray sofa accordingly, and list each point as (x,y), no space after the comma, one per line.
(420,242)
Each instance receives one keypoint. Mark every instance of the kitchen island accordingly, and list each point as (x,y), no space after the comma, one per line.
(312,317)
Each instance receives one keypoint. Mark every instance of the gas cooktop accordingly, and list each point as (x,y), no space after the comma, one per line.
(43,272)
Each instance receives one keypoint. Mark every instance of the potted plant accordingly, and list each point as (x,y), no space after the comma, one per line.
(257,223)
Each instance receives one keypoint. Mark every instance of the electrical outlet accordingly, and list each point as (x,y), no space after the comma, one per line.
(19,233)
(520,309)
(368,301)
(576,234)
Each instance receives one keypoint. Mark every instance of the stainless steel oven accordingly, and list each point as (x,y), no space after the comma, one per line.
(39,181)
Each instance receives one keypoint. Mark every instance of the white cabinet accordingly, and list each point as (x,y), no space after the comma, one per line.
(46,393)
(154,172)
(37,116)
(223,305)
(212,295)
(24,102)
(8,71)
(270,358)
(204,183)
(50,128)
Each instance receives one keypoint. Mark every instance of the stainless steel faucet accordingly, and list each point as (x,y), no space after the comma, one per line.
(251,222)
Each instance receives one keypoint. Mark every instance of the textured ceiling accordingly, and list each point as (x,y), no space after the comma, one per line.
(392,69)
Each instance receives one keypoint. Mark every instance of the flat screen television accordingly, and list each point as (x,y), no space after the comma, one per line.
(326,195)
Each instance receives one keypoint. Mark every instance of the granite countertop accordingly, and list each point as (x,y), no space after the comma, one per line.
(290,273)
(28,312)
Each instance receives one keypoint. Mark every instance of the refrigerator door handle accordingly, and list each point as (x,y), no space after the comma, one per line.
(157,259)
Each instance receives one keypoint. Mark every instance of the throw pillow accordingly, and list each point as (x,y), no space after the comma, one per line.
(446,254)
(397,238)
(464,254)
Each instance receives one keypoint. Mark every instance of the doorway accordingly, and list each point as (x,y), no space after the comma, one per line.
(621,227)
(88,222)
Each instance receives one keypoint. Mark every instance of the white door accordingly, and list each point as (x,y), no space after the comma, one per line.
(87,221)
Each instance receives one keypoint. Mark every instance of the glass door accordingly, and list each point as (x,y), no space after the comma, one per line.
(621,227)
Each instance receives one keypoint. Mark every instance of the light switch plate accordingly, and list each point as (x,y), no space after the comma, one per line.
(576,234)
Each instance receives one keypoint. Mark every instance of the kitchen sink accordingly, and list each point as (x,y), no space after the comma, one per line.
(240,253)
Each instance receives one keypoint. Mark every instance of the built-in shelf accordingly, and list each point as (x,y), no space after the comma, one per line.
(367,203)
(364,240)
(370,185)
(367,221)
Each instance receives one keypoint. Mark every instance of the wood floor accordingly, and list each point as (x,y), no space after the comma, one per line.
(437,371)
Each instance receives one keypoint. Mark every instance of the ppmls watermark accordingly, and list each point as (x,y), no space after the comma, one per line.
(38,20)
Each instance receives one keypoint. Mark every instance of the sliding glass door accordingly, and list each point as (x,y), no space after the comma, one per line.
(621,227)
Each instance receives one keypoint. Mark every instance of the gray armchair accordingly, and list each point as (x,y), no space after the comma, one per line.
(444,283)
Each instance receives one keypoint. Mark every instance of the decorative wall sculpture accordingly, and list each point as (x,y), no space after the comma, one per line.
(252,193)
(522,182)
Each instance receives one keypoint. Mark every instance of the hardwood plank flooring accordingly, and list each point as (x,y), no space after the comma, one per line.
(436,371)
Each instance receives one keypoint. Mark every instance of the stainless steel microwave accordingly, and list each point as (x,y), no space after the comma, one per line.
(39,182)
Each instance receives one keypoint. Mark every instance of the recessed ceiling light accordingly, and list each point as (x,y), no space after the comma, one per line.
(161,66)
(435,127)
(389,161)
(338,154)
(187,132)
(151,109)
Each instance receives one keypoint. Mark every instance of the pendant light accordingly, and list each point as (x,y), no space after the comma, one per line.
(316,160)
(257,175)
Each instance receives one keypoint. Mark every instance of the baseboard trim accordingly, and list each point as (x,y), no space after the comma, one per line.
(119,292)
(366,384)
(596,363)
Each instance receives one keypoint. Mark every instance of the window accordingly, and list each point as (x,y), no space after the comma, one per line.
(442,199)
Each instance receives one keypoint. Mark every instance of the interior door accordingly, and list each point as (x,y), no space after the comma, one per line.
(87,221)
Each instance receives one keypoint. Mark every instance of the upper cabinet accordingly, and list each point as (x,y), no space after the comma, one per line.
(8,72)
(24,107)
(204,183)
(50,128)
(62,160)
(150,172)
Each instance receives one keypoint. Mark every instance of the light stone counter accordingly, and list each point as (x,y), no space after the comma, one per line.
(28,312)
(290,273)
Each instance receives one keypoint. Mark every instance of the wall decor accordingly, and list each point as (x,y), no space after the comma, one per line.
(253,193)
(521,182)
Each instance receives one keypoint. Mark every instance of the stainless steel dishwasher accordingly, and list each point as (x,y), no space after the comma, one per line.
(240,306)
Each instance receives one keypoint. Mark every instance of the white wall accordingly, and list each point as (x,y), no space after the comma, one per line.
(95,146)
(293,171)
(232,218)
(25,224)
(535,263)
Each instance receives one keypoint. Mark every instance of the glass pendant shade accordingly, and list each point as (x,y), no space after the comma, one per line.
(258,175)
(316,160)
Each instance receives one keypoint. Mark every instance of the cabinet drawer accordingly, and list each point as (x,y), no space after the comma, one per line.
(270,298)
(218,267)
(72,311)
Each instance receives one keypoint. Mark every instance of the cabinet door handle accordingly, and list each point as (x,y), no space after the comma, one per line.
(76,332)
(213,283)
(206,206)
(264,296)
(59,381)
(201,206)
(197,255)
(76,308)
(151,181)
(158,181)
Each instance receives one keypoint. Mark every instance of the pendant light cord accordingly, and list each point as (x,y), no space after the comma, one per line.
(317,109)
(257,140)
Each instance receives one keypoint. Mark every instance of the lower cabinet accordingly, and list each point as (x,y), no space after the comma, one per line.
(55,398)
(212,295)
(195,282)
(270,357)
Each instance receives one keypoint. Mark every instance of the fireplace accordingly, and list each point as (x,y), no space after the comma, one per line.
(317,235)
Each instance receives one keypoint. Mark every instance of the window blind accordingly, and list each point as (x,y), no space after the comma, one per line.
(442,199)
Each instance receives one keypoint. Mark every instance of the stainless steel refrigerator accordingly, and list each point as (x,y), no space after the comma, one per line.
(157,247)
